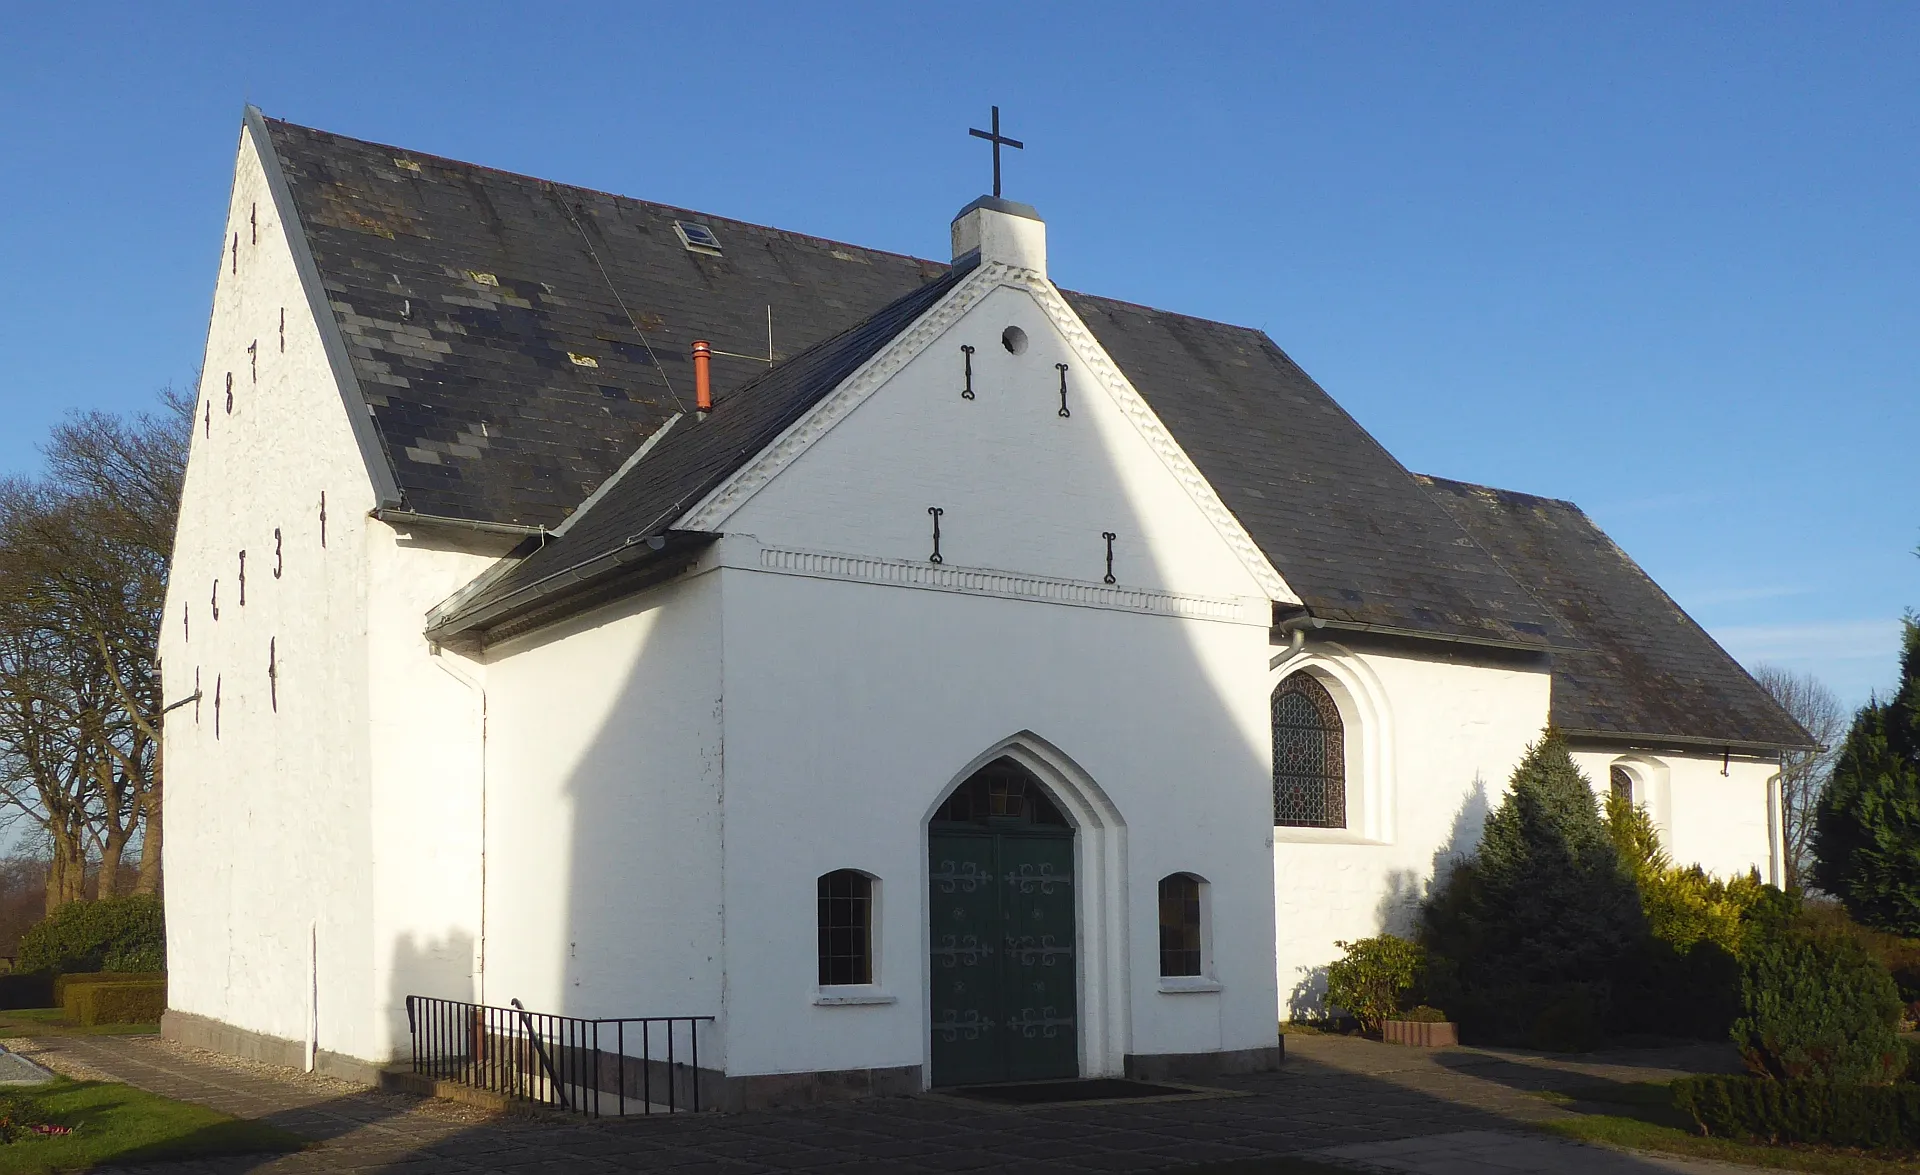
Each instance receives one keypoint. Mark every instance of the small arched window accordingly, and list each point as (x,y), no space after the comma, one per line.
(1180,925)
(1309,756)
(1622,781)
(846,928)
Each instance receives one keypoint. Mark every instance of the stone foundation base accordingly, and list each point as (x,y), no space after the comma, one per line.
(218,1037)
(767,1091)
(1200,1066)
(718,1091)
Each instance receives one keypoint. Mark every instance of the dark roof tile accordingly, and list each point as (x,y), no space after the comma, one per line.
(1645,667)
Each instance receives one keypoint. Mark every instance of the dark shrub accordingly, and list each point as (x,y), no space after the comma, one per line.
(1900,956)
(1524,938)
(1829,1112)
(1676,991)
(1866,833)
(1571,1020)
(1818,1007)
(112,934)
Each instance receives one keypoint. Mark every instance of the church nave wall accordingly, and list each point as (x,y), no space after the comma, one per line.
(267,817)
(604,825)
(852,708)
(1725,823)
(1431,742)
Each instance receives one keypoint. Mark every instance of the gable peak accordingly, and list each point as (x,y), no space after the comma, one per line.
(1000,230)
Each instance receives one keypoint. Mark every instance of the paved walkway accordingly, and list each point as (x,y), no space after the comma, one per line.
(1336,1098)
(1489,1152)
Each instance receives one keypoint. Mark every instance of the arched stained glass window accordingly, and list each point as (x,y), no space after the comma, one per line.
(1001,793)
(1309,756)
(1622,781)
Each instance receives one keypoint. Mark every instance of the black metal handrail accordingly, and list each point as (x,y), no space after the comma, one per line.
(565,1062)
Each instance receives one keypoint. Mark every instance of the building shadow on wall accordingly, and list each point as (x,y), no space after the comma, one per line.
(1401,908)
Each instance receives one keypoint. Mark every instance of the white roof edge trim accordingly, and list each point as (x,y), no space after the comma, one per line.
(373,451)
(712,511)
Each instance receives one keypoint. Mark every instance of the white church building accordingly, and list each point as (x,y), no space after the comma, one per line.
(934,675)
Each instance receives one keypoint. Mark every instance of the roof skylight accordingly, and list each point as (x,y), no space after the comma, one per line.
(697,237)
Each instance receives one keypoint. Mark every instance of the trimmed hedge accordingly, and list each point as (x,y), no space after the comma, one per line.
(112,934)
(116,1003)
(1833,1113)
(64,983)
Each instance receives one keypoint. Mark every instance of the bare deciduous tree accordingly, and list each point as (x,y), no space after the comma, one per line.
(83,565)
(1803,774)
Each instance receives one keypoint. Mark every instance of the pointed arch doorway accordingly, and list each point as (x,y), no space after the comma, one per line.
(1003,988)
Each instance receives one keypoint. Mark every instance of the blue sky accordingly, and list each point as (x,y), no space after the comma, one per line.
(1658,259)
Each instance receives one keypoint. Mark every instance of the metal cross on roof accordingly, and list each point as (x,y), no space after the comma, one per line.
(997,139)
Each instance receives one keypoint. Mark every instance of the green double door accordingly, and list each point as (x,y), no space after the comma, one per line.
(1002,954)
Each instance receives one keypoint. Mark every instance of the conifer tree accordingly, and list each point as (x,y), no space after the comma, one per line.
(1557,906)
(1866,839)
(1524,938)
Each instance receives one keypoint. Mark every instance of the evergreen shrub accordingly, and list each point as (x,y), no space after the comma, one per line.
(1803,1111)
(1818,1007)
(1866,834)
(1523,939)
(112,934)
(1683,979)
(1900,956)
(1369,981)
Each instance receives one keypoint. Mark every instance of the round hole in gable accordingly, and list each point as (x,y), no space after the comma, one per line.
(1014,340)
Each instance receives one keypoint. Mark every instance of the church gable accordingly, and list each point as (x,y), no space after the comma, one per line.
(275,471)
(997,417)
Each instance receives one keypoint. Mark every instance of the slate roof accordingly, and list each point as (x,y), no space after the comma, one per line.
(1343,522)
(1644,668)
(694,456)
(464,293)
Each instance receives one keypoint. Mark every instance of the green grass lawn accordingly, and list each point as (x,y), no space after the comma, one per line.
(1641,1116)
(48,1022)
(121,1124)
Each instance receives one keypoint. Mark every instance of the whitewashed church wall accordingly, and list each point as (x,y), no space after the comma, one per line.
(1724,823)
(427,736)
(1454,731)
(267,827)
(852,709)
(1023,489)
(603,813)
(1721,821)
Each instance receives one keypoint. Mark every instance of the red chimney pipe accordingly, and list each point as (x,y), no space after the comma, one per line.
(702,381)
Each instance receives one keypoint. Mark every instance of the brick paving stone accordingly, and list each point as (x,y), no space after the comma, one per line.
(1331,1093)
